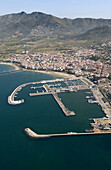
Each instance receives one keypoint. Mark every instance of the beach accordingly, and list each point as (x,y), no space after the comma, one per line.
(53,73)
(58,74)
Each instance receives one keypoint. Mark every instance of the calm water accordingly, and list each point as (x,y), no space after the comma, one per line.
(42,114)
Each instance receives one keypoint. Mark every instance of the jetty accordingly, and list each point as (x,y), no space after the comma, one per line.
(30,133)
(12,96)
(39,94)
(61,105)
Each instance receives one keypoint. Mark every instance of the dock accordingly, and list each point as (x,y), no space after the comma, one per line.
(39,94)
(61,105)
(99,98)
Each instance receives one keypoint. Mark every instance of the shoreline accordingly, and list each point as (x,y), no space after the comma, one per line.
(10,64)
(53,73)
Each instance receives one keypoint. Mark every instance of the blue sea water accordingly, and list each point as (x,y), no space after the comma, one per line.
(42,114)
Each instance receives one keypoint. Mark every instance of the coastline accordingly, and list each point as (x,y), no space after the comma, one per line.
(65,75)
(53,73)
(57,74)
(11,64)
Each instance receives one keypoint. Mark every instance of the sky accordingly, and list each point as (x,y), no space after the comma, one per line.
(60,8)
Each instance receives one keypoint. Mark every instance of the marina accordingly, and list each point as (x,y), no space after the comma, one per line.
(47,88)
(71,86)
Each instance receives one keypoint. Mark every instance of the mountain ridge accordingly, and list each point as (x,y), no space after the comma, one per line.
(38,24)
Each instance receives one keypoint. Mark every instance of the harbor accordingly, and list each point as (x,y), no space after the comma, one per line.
(54,87)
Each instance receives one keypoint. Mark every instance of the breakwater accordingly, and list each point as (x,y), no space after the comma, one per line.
(34,135)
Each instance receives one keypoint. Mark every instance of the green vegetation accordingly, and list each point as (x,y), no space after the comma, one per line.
(98,33)
(36,24)
(38,32)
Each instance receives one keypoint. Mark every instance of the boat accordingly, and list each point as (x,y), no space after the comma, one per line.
(87,97)
(71,132)
(88,92)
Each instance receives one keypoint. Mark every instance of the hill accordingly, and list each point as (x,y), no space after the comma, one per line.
(98,33)
(37,24)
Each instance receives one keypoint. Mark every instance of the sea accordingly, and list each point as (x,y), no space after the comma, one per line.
(43,115)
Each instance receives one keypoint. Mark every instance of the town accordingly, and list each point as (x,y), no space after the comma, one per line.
(61,62)
(77,63)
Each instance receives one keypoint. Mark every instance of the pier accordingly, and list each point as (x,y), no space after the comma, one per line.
(61,105)
(34,135)
(57,99)
(99,97)
(39,94)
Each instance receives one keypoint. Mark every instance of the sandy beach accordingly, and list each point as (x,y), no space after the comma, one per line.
(58,74)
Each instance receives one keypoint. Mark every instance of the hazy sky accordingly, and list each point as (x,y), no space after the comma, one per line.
(60,8)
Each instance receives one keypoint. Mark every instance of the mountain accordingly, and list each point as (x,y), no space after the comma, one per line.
(37,24)
(98,33)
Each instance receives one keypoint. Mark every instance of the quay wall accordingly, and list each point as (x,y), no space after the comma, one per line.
(61,105)
(97,94)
